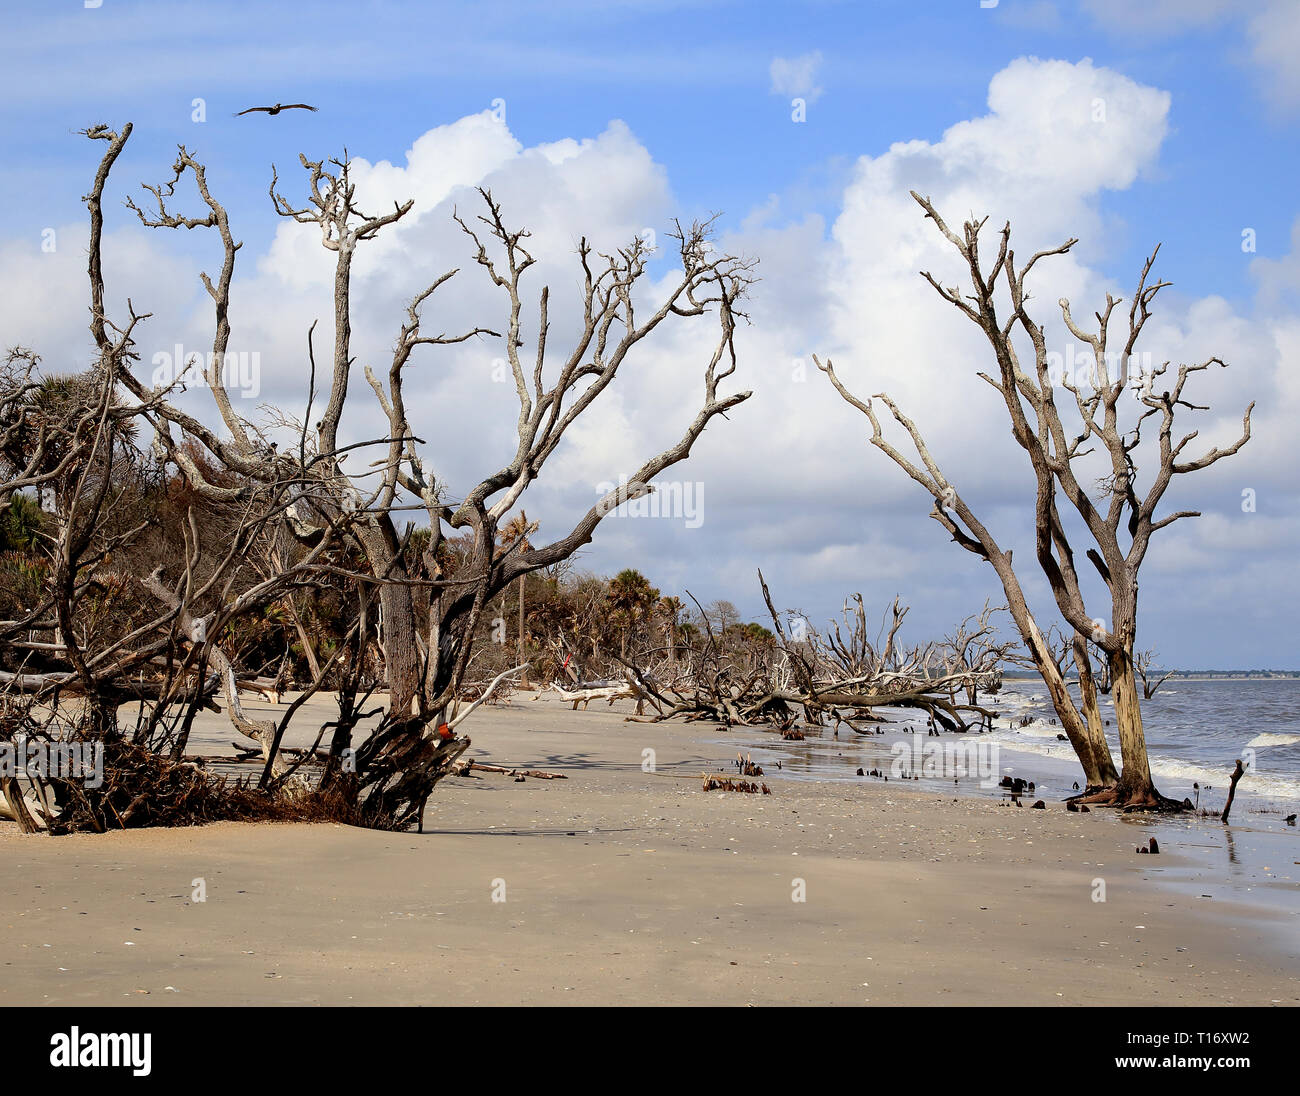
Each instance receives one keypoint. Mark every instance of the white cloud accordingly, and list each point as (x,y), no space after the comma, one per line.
(1037,159)
(1042,15)
(45,293)
(1271,29)
(791,483)
(1163,16)
(797,76)
(1274,34)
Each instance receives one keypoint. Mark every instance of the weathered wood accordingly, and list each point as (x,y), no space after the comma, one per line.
(629,690)
(1237,774)
(1117,523)
(14,806)
(537,774)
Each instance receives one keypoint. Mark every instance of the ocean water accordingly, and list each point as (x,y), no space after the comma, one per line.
(1195,732)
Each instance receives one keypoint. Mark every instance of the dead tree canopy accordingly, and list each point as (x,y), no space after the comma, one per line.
(304,524)
(1150,675)
(1111,466)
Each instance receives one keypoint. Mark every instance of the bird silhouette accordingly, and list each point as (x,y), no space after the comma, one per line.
(276,109)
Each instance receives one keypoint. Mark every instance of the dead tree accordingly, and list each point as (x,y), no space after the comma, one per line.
(428,622)
(96,631)
(851,669)
(1119,523)
(974,648)
(1151,677)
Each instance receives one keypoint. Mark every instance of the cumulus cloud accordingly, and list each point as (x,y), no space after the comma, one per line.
(790,482)
(1055,137)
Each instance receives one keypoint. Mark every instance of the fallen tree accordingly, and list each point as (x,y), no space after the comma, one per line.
(826,676)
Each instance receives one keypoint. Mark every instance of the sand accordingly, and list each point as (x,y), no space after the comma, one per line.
(627,887)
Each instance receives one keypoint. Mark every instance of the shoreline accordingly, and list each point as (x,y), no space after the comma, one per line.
(623,886)
(1281,675)
(1251,862)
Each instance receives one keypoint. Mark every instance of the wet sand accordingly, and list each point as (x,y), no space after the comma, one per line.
(622,886)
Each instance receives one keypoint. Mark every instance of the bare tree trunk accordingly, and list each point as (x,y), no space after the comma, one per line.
(397,602)
(1096,774)
(1096,730)
(1135,788)
(1076,729)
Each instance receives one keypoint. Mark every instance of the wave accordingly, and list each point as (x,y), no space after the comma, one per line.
(1256,786)
(1274,740)
(1037,729)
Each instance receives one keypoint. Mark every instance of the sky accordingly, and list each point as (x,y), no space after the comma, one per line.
(802,127)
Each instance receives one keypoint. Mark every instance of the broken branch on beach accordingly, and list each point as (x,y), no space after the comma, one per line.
(466,767)
(1237,774)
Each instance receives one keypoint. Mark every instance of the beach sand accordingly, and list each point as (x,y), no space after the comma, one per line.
(627,887)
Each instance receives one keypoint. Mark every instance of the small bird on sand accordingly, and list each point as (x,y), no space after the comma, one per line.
(276,109)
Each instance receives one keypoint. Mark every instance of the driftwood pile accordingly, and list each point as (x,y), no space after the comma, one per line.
(844,675)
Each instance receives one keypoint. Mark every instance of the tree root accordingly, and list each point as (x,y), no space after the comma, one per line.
(142,788)
(1133,800)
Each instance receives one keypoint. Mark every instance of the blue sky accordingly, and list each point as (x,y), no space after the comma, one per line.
(690,79)
(699,87)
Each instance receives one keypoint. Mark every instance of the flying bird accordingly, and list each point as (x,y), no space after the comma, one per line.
(277,108)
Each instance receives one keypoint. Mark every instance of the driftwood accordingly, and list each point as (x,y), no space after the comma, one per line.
(17,807)
(269,689)
(800,670)
(585,696)
(1237,774)
(630,689)
(464,768)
